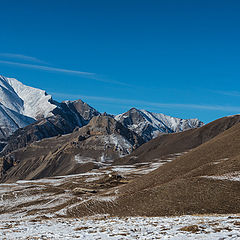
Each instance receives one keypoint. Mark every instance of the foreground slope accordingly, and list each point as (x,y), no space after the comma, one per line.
(29,208)
(204,180)
(113,228)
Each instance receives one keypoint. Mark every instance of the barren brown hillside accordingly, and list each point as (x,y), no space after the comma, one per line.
(204,180)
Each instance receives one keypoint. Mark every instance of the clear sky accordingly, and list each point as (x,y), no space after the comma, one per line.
(181,58)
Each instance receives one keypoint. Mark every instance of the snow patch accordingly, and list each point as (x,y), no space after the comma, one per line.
(122,145)
(234,176)
(82,160)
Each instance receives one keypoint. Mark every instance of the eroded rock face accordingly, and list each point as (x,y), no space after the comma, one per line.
(107,125)
(100,142)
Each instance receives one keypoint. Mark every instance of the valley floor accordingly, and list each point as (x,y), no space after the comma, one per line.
(103,227)
(41,209)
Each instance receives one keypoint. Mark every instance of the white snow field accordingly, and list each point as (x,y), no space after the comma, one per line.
(104,227)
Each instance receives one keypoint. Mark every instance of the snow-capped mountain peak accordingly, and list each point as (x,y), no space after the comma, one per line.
(35,103)
(149,125)
(21,105)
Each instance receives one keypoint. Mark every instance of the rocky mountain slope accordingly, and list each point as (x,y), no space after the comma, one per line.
(150,125)
(21,105)
(98,143)
(28,114)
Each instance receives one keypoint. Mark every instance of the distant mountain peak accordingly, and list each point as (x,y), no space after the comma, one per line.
(85,110)
(149,125)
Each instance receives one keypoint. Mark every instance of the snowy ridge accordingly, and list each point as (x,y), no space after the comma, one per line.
(15,119)
(149,125)
(36,209)
(8,96)
(36,102)
(21,105)
(175,124)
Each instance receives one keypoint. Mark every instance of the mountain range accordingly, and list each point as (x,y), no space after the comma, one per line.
(29,114)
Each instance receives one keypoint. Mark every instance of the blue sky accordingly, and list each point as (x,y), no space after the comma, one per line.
(180,58)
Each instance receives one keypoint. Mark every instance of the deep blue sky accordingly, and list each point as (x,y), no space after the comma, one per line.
(177,57)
